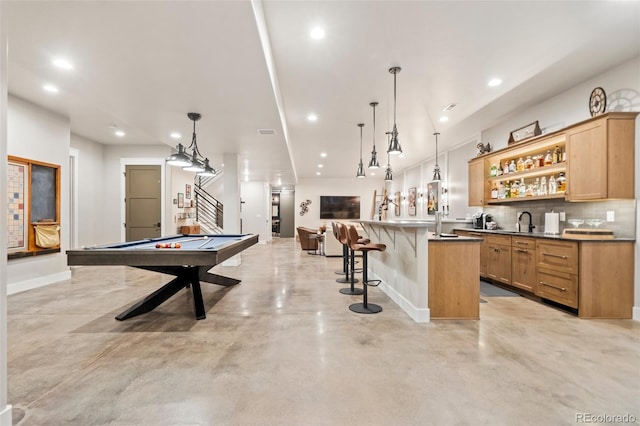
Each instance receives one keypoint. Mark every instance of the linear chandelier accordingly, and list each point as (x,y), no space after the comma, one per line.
(373,163)
(196,162)
(360,174)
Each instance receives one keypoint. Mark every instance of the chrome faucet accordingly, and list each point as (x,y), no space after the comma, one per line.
(530,220)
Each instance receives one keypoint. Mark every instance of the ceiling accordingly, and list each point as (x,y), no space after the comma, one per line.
(140,66)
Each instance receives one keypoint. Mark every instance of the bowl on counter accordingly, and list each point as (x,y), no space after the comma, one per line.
(575,222)
(594,222)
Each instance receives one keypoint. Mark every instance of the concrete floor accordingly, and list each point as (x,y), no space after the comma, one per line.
(282,348)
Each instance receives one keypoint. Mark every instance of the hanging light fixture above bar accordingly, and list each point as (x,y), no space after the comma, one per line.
(436,169)
(394,145)
(360,174)
(388,175)
(373,163)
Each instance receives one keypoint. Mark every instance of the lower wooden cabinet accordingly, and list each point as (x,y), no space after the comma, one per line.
(499,258)
(558,286)
(523,268)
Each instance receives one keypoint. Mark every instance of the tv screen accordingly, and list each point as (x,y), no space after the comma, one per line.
(339,207)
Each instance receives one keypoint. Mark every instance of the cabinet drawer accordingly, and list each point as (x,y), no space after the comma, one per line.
(504,240)
(523,242)
(561,256)
(559,287)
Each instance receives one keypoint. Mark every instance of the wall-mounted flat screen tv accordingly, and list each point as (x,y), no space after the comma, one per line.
(339,207)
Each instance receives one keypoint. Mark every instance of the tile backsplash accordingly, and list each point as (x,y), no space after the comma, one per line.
(625,214)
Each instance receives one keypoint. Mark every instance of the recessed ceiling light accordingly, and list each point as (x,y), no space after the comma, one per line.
(444,119)
(176,135)
(312,117)
(495,82)
(62,64)
(50,88)
(318,173)
(119,133)
(323,154)
(317,33)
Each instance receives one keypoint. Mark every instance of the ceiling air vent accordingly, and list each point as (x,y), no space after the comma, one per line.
(449,107)
(266,131)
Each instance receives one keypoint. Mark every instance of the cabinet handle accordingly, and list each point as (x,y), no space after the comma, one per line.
(554,255)
(522,250)
(553,286)
(522,242)
(477,234)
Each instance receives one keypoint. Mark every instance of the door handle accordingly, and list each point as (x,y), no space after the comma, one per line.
(158,225)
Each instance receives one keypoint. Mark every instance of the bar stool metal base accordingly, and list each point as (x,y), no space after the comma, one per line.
(354,292)
(346,281)
(371,308)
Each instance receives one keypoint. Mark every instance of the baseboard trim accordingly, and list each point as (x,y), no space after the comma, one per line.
(5,416)
(421,315)
(636,313)
(38,282)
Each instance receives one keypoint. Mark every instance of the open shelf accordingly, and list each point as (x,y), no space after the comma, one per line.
(531,173)
(513,200)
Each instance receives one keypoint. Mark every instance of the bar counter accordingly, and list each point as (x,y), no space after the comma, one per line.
(407,271)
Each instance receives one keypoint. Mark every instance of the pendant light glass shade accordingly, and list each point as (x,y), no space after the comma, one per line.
(360,173)
(394,145)
(436,169)
(373,163)
(180,158)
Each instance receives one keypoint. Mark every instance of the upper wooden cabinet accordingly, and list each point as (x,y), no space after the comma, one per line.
(598,163)
(601,157)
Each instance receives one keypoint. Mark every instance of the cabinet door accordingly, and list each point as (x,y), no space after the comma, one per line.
(558,286)
(499,263)
(523,268)
(587,161)
(476,182)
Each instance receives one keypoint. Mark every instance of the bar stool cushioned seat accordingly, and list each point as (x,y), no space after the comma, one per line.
(354,245)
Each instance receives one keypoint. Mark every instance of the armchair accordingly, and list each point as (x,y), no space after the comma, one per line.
(308,238)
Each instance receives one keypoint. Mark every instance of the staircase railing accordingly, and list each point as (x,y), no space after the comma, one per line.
(209,211)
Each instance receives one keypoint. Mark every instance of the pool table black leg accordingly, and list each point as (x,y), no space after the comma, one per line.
(150,302)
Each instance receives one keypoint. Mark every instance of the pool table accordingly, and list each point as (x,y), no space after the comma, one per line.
(190,263)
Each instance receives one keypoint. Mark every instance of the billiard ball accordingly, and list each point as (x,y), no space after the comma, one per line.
(158,245)
(178,245)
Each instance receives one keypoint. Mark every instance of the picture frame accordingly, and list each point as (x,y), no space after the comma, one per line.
(412,197)
(433,197)
(524,133)
(396,203)
(187,192)
(180,200)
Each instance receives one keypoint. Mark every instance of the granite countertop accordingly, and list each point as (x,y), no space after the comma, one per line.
(452,238)
(543,235)
(411,223)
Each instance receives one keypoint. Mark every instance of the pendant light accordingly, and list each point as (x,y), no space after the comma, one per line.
(394,145)
(196,162)
(373,163)
(436,169)
(388,176)
(360,174)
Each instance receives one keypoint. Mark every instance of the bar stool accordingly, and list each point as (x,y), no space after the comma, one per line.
(345,254)
(350,264)
(364,307)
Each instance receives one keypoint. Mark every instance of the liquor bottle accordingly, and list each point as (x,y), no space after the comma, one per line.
(501,195)
(529,192)
(564,155)
(548,159)
(499,172)
(494,191)
(552,185)
(494,170)
(512,166)
(561,183)
(520,164)
(505,168)
(536,187)
(556,155)
(522,189)
(543,186)
(540,160)
(528,163)
(507,190)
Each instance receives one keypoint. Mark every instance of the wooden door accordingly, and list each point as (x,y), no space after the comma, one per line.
(143,202)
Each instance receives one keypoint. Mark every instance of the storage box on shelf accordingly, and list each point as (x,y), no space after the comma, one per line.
(590,160)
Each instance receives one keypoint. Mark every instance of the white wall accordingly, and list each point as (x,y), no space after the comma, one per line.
(312,189)
(256,209)
(90,190)
(38,134)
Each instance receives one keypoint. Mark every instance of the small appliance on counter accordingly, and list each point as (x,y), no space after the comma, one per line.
(480,220)
(552,223)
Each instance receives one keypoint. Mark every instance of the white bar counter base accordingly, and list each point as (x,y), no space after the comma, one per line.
(402,267)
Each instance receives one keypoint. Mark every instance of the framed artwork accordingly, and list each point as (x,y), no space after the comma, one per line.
(187,192)
(412,201)
(433,197)
(180,200)
(396,202)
